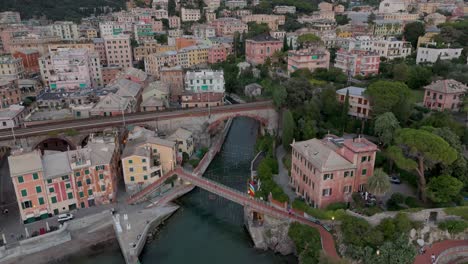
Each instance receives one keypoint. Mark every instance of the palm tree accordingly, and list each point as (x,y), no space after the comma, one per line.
(378,183)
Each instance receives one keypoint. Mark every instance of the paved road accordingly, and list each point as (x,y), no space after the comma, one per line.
(282,179)
(438,248)
(91,123)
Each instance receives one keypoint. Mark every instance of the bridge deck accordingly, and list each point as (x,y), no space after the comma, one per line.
(135,118)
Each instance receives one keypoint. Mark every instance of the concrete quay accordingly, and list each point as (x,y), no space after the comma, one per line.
(132,229)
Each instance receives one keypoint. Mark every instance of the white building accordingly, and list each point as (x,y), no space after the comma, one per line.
(190,14)
(233,4)
(118,50)
(109,28)
(358,43)
(392,6)
(391,48)
(284,10)
(71,69)
(430,55)
(204,81)
(66,30)
(11,116)
(212,5)
(204,31)
(10,17)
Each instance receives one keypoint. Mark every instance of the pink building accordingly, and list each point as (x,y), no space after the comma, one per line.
(218,53)
(118,50)
(359,105)
(311,58)
(329,170)
(357,62)
(227,26)
(445,95)
(174,22)
(27,176)
(260,47)
(53,183)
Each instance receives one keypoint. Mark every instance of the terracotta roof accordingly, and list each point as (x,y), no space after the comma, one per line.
(321,156)
(447,86)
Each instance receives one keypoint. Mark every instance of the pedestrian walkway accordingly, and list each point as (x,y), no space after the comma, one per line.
(437,249)
(282,179)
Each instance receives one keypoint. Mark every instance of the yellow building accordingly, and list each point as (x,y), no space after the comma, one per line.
(184,140)
(146,158)
(428,37)
(344,34)
(196,55)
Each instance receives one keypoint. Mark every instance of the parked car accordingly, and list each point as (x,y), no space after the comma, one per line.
(395,179)
(64,218)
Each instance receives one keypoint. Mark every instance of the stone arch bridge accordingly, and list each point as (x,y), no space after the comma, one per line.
(198,120)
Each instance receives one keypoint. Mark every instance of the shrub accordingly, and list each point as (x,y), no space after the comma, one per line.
(307,242)
(454,226)
(412,202)
(185,157)
(393,204)
(460,211)
(336,206)
(194,162)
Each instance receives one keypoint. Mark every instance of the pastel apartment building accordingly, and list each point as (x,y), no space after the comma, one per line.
(310,58)
(357,62)
(359,105)
(219,53)
(71,69)
(391,48)
(189,14)
(9,92)
(146,158)
(203,31)
(174,78)
(65,30)
(329,170)
(118,50)
(185,141)
(387,28)
(260,47)
(203,88)
(9,17)
(58,182)
(11,67)
(273,21)
(284,10)
(236,4)
(445,95)
(227,26)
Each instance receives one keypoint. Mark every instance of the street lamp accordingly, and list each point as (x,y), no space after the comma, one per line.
(377,252)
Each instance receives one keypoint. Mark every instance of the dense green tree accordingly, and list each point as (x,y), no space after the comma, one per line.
(398,251)
(161,38)
(418,77)
(308,39)
(285,44)
(371,18)
(342,19)
(171,7)
(444,189)
(291,24)
(307,242)
(378,183)
(413,31)
(418,150)
(443,119)
(298,90)
(388,96)
(332,74)
(455,33)
(385,126)
(256,29)
(279,95)
(400,72)
(288,129)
